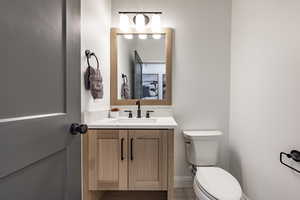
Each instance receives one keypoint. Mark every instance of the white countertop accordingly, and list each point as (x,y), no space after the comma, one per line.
(134,123)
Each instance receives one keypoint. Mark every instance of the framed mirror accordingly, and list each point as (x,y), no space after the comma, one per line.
(141,67)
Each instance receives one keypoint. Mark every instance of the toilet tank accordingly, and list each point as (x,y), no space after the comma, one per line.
(202,146)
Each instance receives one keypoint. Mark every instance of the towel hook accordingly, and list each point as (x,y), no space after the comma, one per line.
(294,155)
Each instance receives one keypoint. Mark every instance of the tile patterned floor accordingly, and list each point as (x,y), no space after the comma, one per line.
(184,194)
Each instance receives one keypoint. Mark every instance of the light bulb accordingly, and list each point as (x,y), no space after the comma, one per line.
(140,22)
(128,36)
(156,36)
(143,36)
(124,22)
(155,23)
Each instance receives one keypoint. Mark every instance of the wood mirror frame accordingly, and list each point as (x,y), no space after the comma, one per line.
(114,69)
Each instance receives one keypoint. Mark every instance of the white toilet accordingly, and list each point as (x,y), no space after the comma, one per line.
(210,182)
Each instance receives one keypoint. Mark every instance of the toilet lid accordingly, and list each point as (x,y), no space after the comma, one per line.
(218,183)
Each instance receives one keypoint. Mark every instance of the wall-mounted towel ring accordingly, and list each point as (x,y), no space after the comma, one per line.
(294,155)
(88,55)
(90,70)
(93,78)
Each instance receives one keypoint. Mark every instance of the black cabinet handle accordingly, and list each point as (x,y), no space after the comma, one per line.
(131,149)
(122,149)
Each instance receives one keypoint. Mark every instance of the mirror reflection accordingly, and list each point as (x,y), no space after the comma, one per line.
(141,66)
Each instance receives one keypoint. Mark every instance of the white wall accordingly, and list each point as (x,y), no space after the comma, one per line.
(95,30)
(151,50)
(201,64)
(265,96)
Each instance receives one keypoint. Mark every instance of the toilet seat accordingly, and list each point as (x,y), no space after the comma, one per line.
(201,194)
(216,183)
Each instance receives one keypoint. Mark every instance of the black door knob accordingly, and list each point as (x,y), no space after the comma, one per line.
(78,128)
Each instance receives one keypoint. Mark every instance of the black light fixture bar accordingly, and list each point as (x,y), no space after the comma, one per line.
(159,13)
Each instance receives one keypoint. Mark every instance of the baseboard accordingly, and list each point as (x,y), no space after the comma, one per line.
(183,182)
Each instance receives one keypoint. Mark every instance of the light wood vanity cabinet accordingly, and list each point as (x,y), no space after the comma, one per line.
(148,160)
(129,160)
(107,160)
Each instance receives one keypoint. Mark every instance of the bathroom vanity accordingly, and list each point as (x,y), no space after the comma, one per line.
(127,158)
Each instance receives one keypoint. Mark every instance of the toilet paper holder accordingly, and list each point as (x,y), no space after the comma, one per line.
(294,155)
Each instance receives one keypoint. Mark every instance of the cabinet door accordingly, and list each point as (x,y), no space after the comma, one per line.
(148,160)
(108,159)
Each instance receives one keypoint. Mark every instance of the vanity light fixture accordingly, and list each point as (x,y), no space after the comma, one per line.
(140,22)
(143,36)
(128,36)
(156,36)
(156,26)
(155,23)
(124,22)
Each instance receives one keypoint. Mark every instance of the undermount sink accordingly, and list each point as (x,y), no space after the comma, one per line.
(136,120)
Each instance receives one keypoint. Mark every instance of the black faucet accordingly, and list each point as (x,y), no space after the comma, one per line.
(138,113)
